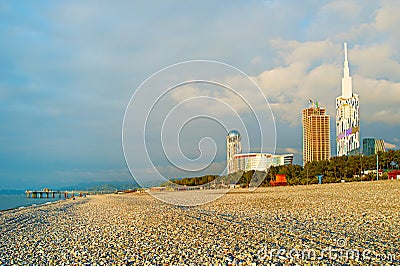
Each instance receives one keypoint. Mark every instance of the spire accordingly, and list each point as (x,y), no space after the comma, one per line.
(347,87)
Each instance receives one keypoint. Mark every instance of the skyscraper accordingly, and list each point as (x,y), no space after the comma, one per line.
(316,134)
(233,147)
(347,115)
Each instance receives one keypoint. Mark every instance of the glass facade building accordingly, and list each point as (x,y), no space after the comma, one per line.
(372,146)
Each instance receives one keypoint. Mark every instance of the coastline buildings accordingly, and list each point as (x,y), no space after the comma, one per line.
(372,146)
(347,115)
(238,161)
(316,134)
(260,161)
(233,147)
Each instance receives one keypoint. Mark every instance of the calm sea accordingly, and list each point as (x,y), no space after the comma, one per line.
(12,201)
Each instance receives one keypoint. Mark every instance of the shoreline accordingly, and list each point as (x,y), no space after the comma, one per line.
(237,228)
(229,191)
(34,205)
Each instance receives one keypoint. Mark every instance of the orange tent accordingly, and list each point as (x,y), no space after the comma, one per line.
(280,180)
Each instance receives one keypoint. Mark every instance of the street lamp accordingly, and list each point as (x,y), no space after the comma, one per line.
(361,171)
(377,164)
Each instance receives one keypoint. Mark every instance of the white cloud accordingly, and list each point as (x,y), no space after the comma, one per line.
(343,8)
(376,61)
(256,60)
(378,100)
(387,17)
(218,101)
(388,116)
(312,71)
(295,151)
(84,60)
(309,73)
(390,146)
(309,52)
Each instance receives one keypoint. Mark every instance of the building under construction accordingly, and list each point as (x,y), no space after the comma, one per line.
(316,134)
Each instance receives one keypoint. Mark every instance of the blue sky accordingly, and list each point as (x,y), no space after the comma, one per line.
(69,68)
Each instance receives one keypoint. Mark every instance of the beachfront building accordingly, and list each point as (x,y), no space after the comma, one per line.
(238,161)
(260,161)
(282,159)
(316,134)
(347,115)
(372,146)
(233,147)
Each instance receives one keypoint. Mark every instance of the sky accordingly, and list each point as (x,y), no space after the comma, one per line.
(68,70)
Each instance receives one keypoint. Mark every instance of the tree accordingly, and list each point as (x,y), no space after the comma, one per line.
(333,170)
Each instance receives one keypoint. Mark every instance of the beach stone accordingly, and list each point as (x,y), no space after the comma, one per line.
(240,228)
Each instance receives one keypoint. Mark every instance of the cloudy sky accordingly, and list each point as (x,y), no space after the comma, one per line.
(68,70)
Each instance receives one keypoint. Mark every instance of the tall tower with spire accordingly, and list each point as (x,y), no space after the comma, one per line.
(347,115)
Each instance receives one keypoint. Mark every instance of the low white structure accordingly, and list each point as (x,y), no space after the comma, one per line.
(259,161)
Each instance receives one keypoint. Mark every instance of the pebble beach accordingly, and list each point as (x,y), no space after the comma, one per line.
(330,224)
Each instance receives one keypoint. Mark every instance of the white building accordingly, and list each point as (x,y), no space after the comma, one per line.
(283,159)
(260,161)
(347,115)
(233,147)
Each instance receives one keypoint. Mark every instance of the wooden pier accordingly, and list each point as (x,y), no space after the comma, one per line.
(46,193)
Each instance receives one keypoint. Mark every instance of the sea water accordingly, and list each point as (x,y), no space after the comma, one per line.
(12,201)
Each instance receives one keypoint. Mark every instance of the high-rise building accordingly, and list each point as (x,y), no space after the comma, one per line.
(233,147)
(316,134)
(347,115)
(372,146)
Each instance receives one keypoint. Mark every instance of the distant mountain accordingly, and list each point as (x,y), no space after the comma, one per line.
(112,187)
(102,186)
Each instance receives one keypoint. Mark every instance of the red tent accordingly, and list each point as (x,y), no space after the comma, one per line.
(395,174)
